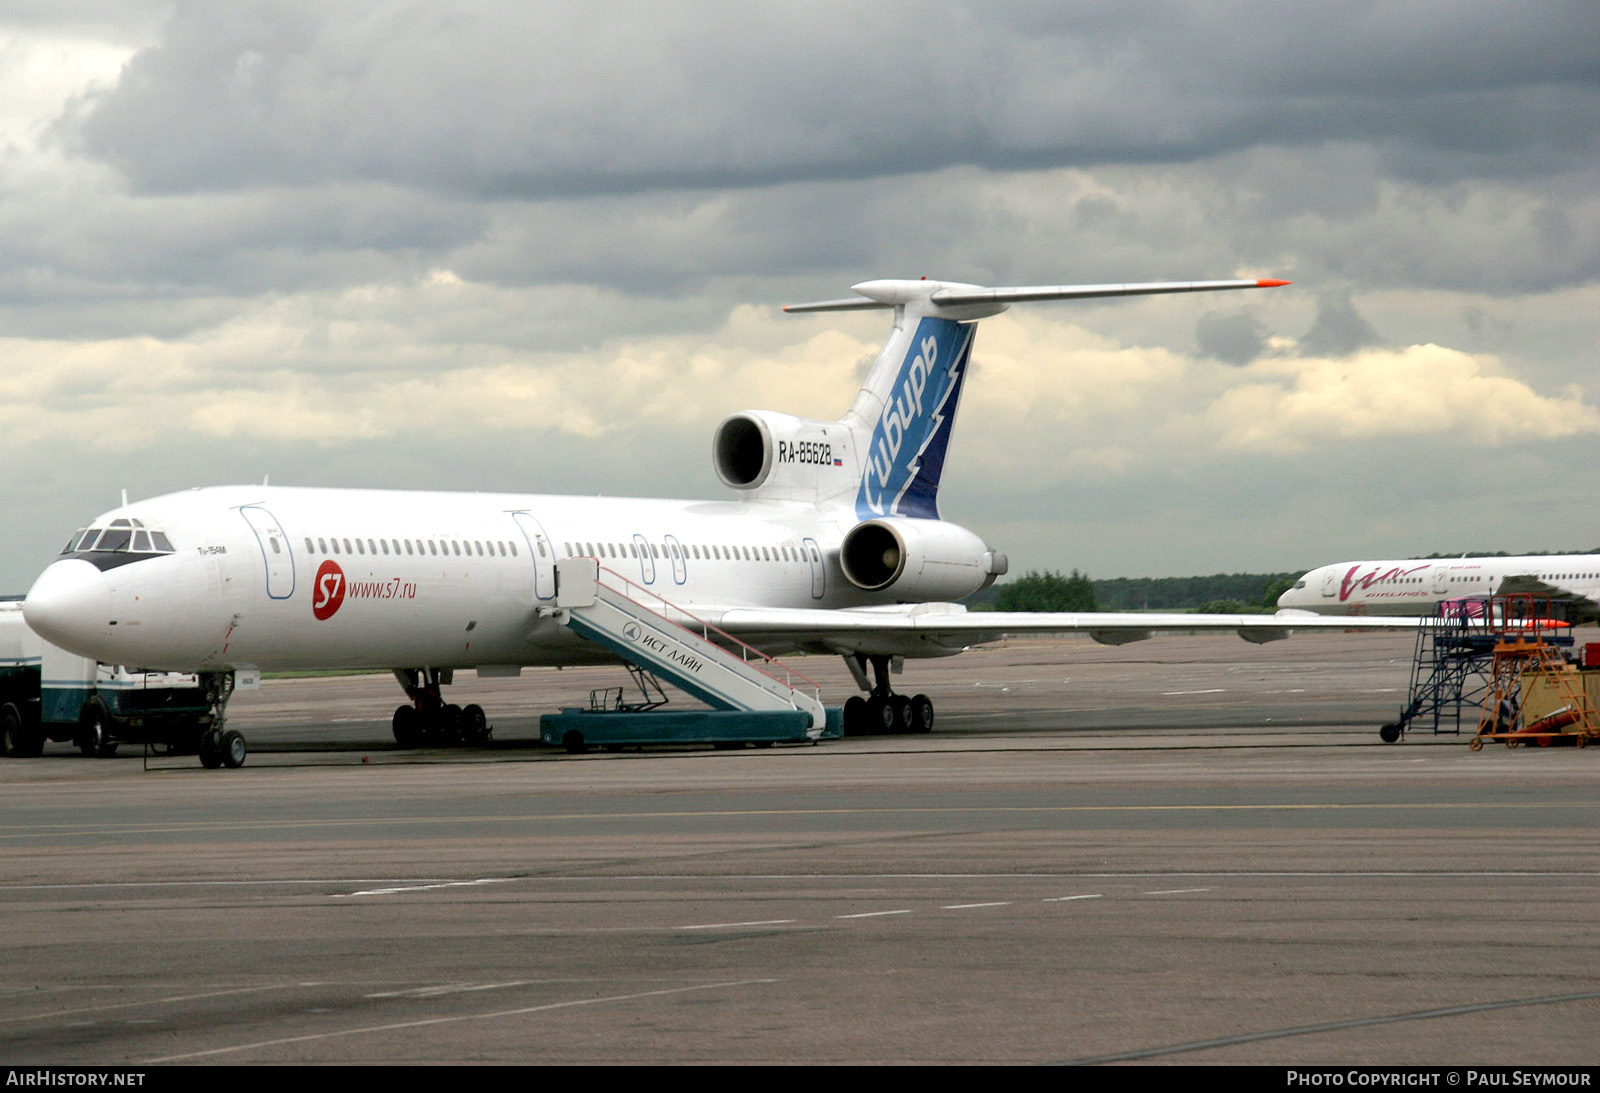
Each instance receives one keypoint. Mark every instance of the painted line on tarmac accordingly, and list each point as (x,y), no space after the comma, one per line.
(968,906)
(432,1021)
(424,887)
(1335,1026)
(1069,899)
(256,826)
(610,878)
(153,1002)
(1176,891)
(875,914)
(210,883)
(1222,874)
(452,988)
(736,925)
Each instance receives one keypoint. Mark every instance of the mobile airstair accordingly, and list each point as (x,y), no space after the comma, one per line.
(754,698)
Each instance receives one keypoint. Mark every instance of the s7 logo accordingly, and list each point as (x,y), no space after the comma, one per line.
(327,590)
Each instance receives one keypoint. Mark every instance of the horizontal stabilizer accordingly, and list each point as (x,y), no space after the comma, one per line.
(946,294)
(1077,292)
(854,303)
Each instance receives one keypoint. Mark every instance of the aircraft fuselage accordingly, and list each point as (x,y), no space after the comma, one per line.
(1416,586)
(287,578)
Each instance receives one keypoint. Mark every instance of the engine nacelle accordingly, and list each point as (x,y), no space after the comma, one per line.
(742,451)
(784,457)
(918,559)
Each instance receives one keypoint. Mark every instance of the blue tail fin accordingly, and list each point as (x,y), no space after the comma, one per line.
(900,422)
(903,418)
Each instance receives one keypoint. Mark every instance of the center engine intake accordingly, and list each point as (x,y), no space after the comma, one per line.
(918,559)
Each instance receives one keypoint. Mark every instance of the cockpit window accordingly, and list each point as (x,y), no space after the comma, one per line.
(114,538)
(121,542)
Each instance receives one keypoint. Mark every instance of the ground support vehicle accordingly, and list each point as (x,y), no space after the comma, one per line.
(48,694)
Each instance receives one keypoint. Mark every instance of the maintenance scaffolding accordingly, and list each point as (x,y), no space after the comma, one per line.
(1535,695)
(1477,658)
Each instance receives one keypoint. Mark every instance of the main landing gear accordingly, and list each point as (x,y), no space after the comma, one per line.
(429,720)
(882,711)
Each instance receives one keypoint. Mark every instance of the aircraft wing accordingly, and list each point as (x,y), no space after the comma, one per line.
(1582,608)
(936,629)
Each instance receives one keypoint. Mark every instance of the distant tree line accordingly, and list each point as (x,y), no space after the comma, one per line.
(1047,591)
(1218,594)
(1504,554)
(1222,593)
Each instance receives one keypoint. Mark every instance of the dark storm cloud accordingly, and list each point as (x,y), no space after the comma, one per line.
(1237,339)
(1339,330)
(538,100)
(115,19)
(59,249)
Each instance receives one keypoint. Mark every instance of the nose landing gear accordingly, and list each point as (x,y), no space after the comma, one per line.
(220,746)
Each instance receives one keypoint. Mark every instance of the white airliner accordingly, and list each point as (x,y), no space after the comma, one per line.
(833,544)
(1415,586)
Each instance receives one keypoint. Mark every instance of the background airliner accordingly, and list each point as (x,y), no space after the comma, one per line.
(834,544)
(1415,586)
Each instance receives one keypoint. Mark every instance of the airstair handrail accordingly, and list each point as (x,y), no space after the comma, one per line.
(705,635)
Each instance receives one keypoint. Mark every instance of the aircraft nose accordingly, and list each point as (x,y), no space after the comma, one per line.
(70,606)
(1290,597)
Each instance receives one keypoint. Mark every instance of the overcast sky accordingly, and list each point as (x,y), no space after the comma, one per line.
(542,248)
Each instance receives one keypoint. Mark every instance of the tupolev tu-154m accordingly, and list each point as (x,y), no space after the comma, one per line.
(833,543)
